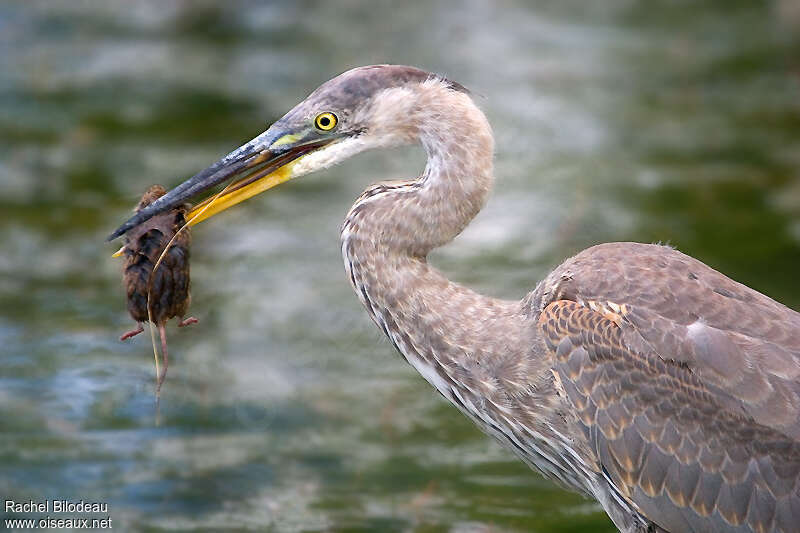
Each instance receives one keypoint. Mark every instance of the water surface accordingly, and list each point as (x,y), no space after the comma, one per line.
(285,409)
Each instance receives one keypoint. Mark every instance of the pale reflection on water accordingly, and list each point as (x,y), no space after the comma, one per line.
(285,409)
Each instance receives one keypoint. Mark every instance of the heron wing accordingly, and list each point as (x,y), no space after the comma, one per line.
(728,335)
(667,440)
(667,382)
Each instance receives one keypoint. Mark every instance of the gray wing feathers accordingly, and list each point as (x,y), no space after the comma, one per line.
(729,335)
(665,437)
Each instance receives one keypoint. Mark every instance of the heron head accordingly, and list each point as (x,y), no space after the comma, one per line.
(362,108)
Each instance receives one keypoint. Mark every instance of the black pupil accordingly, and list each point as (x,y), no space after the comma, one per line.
(324,122)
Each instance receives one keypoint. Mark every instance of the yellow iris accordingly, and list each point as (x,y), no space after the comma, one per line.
(325,121)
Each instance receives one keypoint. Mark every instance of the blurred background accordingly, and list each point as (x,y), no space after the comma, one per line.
(285,409)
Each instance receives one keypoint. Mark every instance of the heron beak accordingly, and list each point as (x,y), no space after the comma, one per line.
(262,163)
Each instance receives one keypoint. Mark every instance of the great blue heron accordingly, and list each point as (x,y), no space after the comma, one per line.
(633,374)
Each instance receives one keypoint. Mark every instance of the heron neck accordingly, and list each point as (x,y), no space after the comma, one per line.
(438,325)
(458,176)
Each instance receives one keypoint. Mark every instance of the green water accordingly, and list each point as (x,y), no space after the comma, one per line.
(285,409)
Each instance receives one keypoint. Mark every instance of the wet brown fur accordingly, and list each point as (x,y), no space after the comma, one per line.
(168,287)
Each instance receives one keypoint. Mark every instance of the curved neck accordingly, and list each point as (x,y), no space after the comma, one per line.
(392,227)
(413,217)
(459,173)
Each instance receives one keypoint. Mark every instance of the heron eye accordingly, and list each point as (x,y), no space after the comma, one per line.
(325,121)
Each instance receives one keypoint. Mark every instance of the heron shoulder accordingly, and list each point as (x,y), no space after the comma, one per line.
(733,338)
(660,277)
